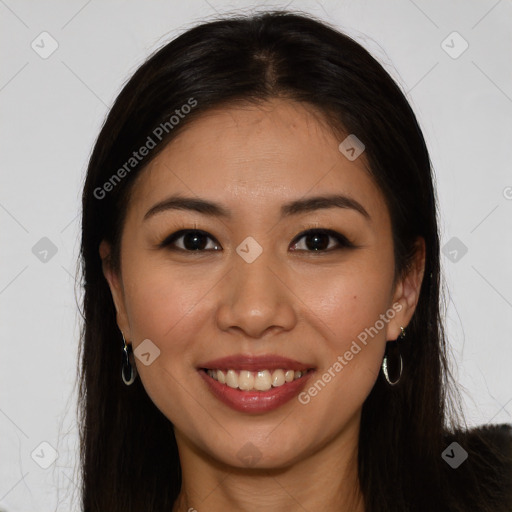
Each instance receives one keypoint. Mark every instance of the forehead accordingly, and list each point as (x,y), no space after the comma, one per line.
(256,157)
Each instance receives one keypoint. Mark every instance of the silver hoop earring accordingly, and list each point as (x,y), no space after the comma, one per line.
(385,361)
(128,372)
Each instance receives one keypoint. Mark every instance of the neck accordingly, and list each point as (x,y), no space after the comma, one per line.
(325,480)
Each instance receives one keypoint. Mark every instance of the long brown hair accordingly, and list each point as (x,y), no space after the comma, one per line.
(129,457)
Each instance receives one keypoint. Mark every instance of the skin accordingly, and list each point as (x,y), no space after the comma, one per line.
(304,304)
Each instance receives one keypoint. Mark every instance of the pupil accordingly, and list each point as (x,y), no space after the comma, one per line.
(315,245)
(196,241)
(190,241)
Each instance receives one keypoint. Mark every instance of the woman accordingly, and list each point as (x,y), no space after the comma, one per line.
(231,361)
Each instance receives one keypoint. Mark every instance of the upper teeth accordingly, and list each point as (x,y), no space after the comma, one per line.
(262,380)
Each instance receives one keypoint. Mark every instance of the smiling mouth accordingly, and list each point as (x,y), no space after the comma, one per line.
(262,380)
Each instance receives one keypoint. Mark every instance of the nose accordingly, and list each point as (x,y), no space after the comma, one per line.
(255,298)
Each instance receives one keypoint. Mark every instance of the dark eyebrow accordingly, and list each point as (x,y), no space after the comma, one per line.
(321,202)
(292,208)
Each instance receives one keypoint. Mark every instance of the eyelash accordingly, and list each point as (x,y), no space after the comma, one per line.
(343,242)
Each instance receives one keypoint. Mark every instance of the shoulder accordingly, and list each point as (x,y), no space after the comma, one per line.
(485,475)
(493,442)
(494,437)
(500,435)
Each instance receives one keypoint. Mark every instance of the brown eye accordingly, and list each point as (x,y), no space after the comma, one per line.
(317,240)
(193,240)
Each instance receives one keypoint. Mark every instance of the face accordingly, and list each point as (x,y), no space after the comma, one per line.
(276,289)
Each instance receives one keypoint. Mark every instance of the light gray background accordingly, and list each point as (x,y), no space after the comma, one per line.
(52,110)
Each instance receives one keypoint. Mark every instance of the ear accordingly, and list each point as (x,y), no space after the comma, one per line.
(116,289)
(407,292)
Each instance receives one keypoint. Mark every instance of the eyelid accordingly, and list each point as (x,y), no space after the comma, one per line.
(343,241)
(180,232)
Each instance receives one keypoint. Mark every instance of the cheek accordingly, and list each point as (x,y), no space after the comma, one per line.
(349,299)
(164,306)
(164,302)
(354,304)
(352,348)
(159,299)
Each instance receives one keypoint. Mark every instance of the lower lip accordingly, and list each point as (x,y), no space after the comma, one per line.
(255,401)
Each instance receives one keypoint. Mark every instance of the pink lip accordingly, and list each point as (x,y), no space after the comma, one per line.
(255,363)
(255,402)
